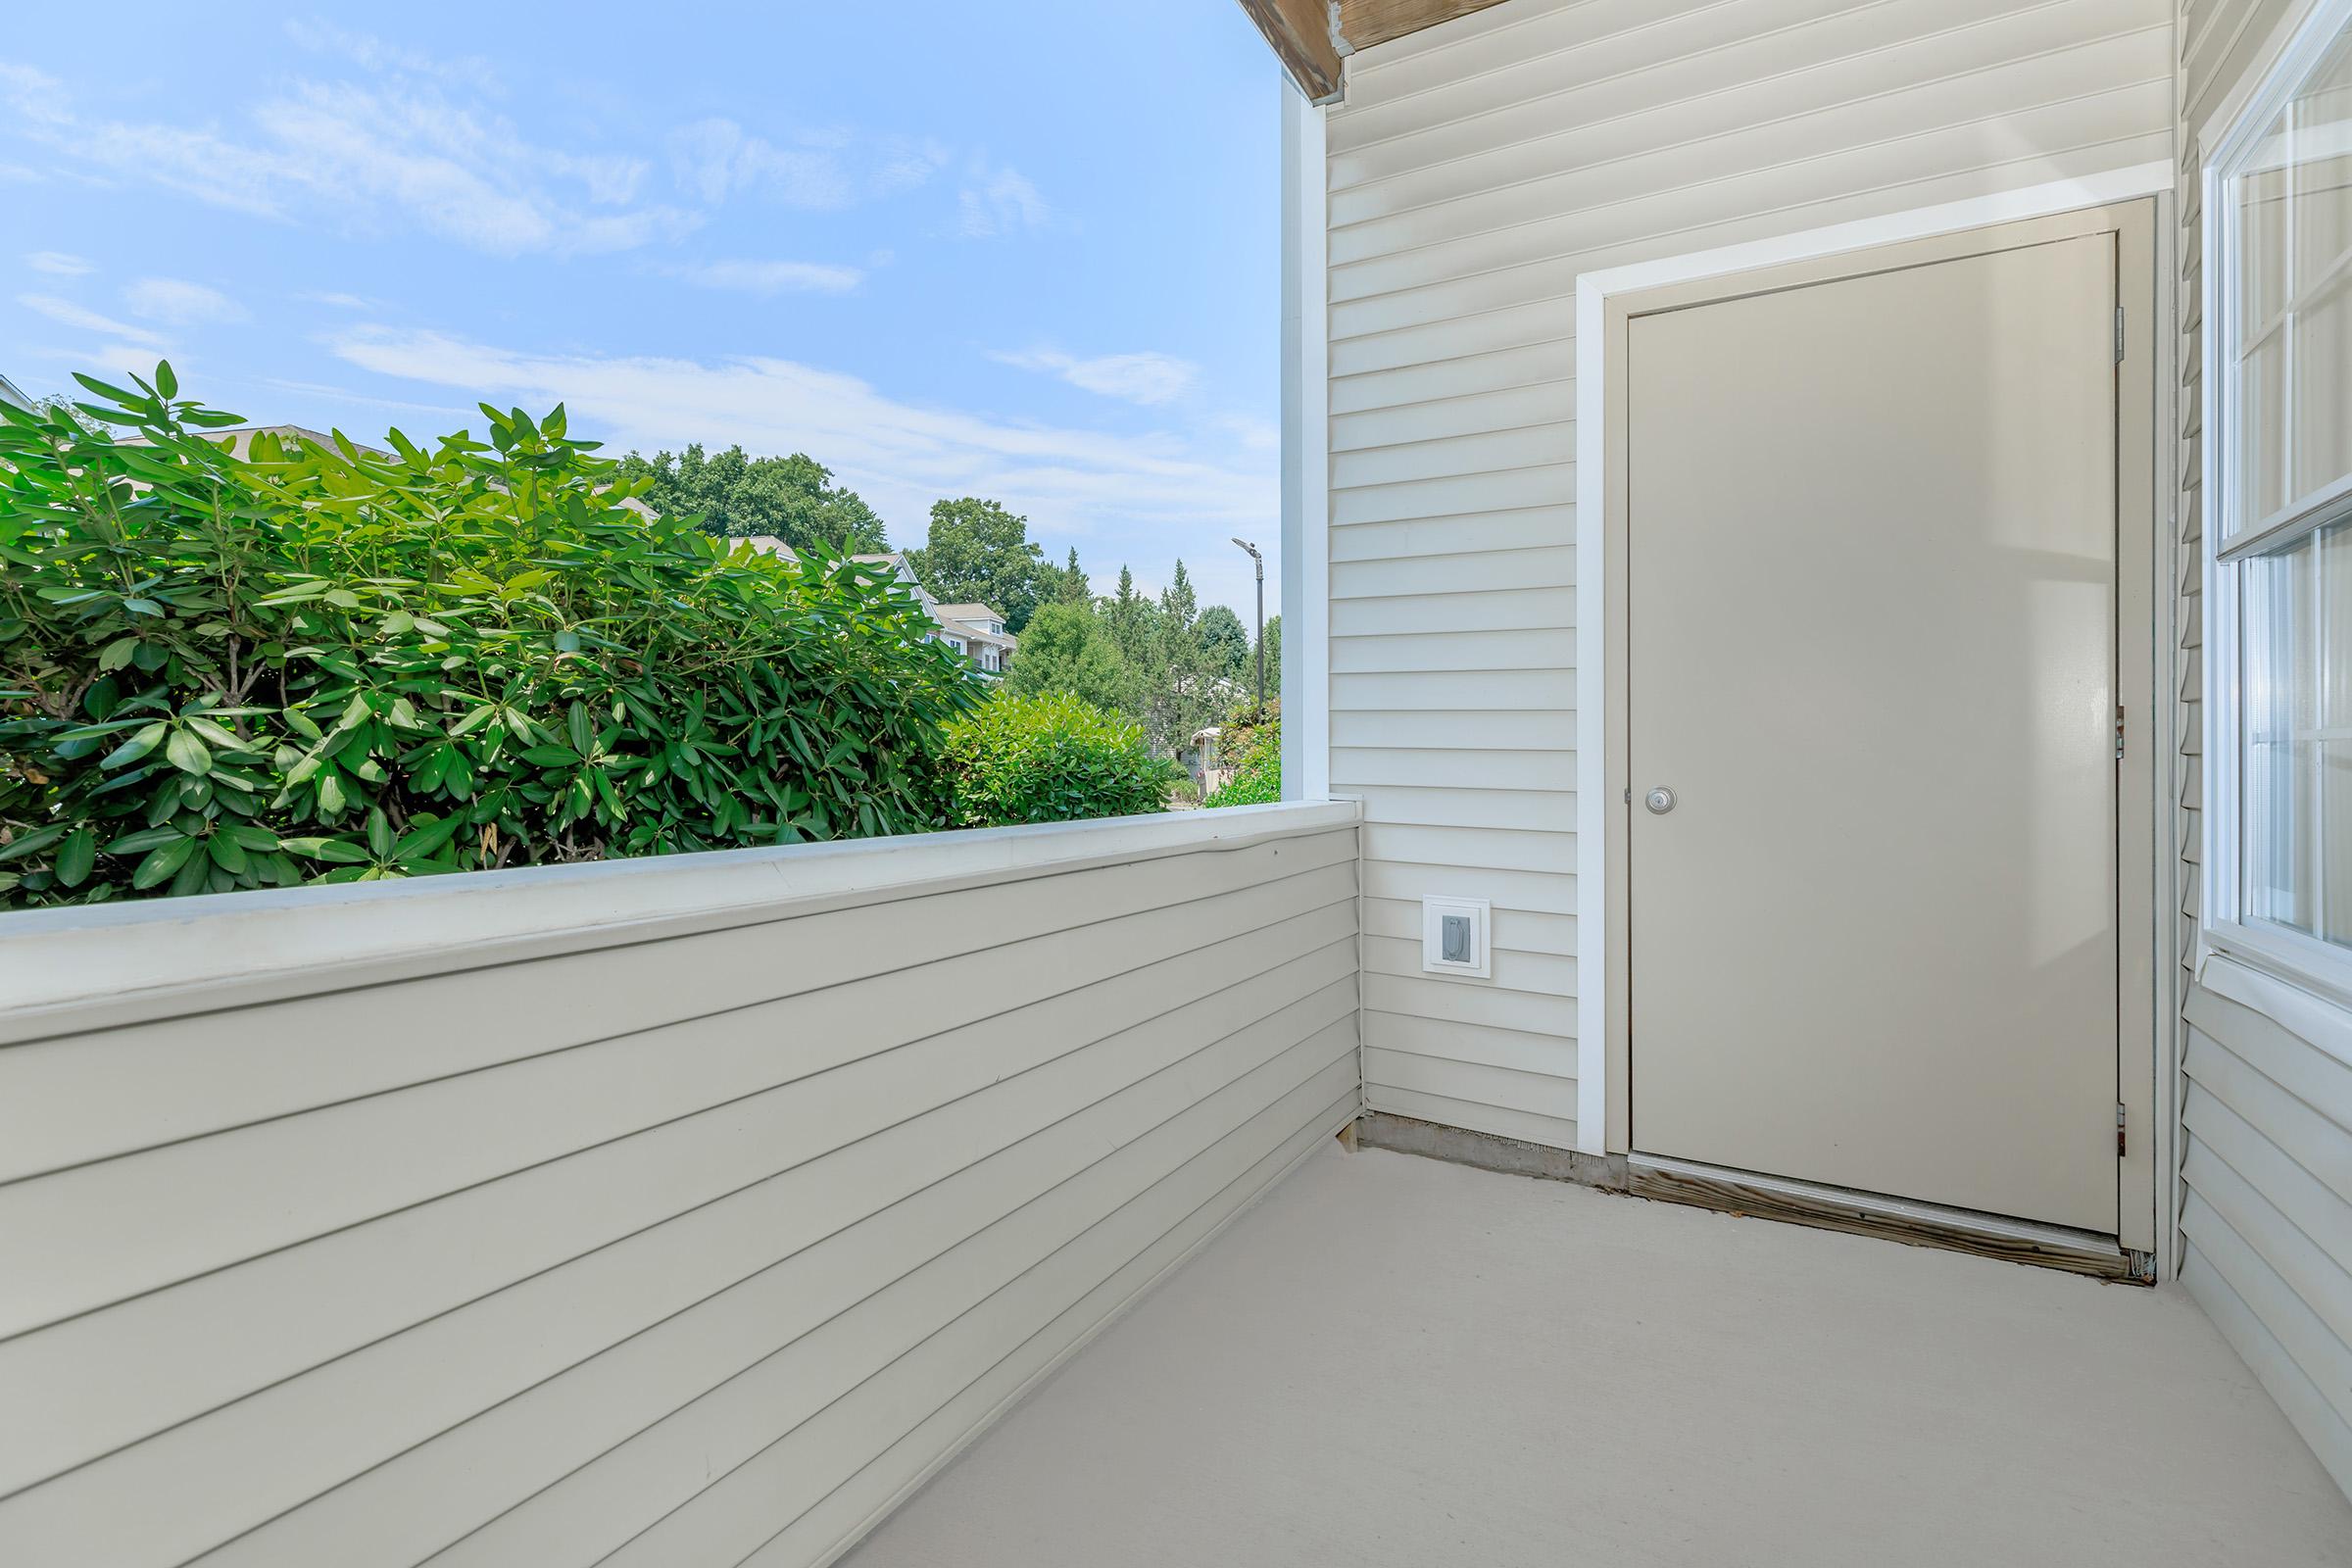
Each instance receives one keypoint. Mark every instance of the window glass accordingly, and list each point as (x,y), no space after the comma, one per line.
(2292,296)
(2296,785)
(2284,272)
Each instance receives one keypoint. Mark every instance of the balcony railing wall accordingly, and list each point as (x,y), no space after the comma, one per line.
(681,1211)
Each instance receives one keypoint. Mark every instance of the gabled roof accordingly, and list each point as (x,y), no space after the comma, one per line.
(970,612)
(895,560)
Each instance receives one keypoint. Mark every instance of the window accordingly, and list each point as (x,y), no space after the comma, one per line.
(2280,261)
(2289,270)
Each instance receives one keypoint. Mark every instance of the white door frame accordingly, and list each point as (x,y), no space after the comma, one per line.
(1602,1122)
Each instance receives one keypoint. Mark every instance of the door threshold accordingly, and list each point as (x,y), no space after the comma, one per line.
(1895,1219)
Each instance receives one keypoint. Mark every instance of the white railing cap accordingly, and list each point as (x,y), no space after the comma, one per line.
(62,959)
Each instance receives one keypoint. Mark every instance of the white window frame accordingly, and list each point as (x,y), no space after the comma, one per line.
(2231,542)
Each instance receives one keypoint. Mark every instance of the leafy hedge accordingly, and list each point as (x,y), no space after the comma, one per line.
(1051,757)
(319,665)
(1253,743)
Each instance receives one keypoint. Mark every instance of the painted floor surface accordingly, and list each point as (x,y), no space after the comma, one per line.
(1394,1361)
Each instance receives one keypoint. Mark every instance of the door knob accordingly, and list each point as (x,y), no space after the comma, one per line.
(1660,801)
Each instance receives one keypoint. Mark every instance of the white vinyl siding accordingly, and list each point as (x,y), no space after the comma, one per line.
(1475,169)
(2266,1217)
(699,1241)
(2266,1161)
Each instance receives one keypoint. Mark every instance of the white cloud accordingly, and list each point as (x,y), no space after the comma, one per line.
(341,302)
(820,171)
(68,313)
(900,456)
(441,165)
(1251,433)
(715,159)
(906,164)
(773,277)
(400,151)
(117,358)
(34,94)
(375,54)
(56,264)
(448,418)
(1145,378)
(181,303)
(998,202)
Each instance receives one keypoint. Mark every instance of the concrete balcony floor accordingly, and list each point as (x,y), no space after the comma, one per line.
(1394,1361)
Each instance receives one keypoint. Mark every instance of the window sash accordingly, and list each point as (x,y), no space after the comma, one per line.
(2255,374)
(2234,537)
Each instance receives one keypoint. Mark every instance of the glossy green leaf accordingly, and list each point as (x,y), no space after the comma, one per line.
(163,861)
(187,753)
(76,857)
(334,851)
(139,745)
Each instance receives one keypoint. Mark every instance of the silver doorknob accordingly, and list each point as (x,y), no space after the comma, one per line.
(1660,801)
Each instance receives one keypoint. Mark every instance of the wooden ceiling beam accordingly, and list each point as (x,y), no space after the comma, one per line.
(1300,33)
(1313,36)
(1365,23)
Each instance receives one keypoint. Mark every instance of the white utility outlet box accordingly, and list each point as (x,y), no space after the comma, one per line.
(1453,937)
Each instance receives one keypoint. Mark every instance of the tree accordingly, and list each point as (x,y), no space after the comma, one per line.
(1180,681)
(1066,647)
(1070,584)
(979,553)
(792,498)
(1273,644)
(1226,643)
(506,665)
(1133,621)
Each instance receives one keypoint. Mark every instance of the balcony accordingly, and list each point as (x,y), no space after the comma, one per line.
(1393,1361)
(699,1210)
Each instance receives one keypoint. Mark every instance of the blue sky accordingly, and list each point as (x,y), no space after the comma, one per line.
(1026,251)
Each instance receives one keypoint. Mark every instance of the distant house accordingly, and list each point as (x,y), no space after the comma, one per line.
(976,631)
(9,392)
(240,439)
(896,563)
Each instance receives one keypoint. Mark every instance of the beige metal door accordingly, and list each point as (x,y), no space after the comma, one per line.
(1871,590)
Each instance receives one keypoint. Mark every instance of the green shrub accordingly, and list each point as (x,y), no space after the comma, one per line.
(1052,757)
(1253,742)
(317,665)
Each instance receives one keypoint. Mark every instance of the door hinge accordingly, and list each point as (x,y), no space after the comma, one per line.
(2119,334)
(2121,1147)
(2118,734)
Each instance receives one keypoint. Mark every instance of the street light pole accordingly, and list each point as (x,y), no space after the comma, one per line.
(1261,562)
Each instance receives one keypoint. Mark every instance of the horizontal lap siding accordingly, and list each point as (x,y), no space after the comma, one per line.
(2266,1217)
(1474,170)
(2266,1170)
(699,1248)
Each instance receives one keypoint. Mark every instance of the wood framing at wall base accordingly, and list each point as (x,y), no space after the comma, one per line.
(1458,1146)
(1864,1214)
(1746,1196)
